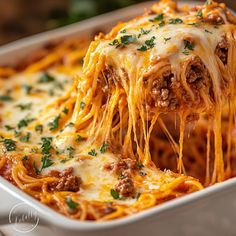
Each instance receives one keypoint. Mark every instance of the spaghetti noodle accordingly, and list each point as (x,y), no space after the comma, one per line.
(156,93)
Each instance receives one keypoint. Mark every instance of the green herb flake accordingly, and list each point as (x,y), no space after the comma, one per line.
(65,110)
(175,21)
(71,204)
(27,88)
(70,124)
(23,107)
(167,39)
(71,151)
(159,17)
(82,105)
(103,147)
(162,24)
(9,144)
(39,129)
(17,133)
(142,173)
(5,98)
(53,125)
(199,13)
(114,43)
(123,31)
(24,122)
(92,153)
(46,78)
(143,48)
(185,52)
(25,158)
(25,138)
(144,32)
(150,42)
(115,194)
(188,45)
(46,162)
(207,31)
(79,138)
(127,39)
(140,165)
(8,127)
(46,145)
(58,85)
(194,24)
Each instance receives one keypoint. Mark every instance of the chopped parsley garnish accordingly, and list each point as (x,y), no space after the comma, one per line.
(142,173)
(79,138)
(82,105)
(188,45)
(46,78)
(8,127)
(46,162)
(123,31)
(92,153)
(143,48)
(114,43)
(103,147)
(65,110)
(115,194)
(5,98)
(159,17)
(24,158)
(194,24)
(58,85)
(25,138)
(17,133)
(199,13)
(148,44)
(175,21)
(140,165)
(51,92)
(24,122)
(71,151)
(185,52)
(127,39)
(9,144)
(167,39)
(70,124)
(27,88)
(53,125)
(162,24)
(71,204)
(23,107)
(144,32)
(46,145)
(207,31)
(39,128)
(122,176)
(124,40)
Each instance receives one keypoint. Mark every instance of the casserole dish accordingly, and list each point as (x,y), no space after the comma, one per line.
(195,214)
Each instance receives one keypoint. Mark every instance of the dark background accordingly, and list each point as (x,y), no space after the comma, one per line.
(20,18)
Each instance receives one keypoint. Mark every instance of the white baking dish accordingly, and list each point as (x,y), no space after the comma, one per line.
(211,211)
